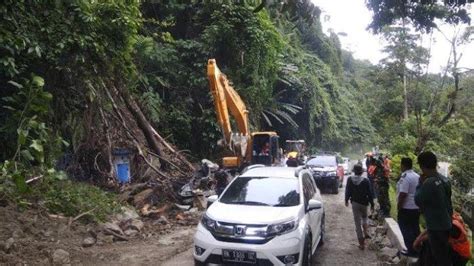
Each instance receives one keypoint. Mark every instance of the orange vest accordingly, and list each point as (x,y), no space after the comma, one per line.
(461,244)
(371,170)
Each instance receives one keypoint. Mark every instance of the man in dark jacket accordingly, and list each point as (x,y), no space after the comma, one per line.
(433,196)
(359,193)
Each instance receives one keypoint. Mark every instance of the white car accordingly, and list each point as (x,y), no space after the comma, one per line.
(266,216)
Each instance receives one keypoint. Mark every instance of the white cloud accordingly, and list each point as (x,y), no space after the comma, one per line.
(353,17)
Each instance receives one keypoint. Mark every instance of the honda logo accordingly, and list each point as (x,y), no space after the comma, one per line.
(239,230)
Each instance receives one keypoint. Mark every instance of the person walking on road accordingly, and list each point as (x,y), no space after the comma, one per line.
(433,196)
(358,192)
(408,211)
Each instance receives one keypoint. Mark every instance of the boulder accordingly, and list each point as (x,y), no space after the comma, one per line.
(113,227)
(61,257)
(386,253)
(130,232)
(380,230)
(88,242)
(141,198)
(9,245)
(126,214)
(136,225)
(200,202)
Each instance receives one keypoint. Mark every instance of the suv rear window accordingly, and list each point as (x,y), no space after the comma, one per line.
(264,191)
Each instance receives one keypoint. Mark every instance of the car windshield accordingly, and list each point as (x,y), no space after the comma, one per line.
(322,161)
(263,191)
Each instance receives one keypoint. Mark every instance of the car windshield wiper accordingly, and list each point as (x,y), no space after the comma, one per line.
(249,203)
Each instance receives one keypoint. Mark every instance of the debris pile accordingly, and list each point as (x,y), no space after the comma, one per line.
(386,252)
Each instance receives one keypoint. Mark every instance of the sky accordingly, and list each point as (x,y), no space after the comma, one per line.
(352,17)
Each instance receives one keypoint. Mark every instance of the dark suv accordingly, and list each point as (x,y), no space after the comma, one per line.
(326,172)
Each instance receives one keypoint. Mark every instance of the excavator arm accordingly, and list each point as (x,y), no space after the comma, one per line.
(225,99)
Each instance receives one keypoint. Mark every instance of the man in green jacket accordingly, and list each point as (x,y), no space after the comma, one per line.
(433,196)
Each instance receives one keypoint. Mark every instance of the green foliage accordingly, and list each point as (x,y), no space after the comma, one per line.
(423,14)
(402,144)
(462,172)
(73,198)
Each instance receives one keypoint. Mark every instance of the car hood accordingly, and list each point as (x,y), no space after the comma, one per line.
(247,214)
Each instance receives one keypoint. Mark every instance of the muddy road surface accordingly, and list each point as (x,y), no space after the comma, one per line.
(340,247)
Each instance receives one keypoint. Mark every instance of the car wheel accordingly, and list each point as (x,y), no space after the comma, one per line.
(321,236)
(198,263)
(307,254)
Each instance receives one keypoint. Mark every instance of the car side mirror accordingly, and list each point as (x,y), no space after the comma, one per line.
(211,199)
(314,204)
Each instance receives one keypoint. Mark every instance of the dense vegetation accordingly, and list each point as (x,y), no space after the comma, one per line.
(64,63)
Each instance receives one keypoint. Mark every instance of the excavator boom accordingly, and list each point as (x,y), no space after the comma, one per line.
(247,147)
(226,98)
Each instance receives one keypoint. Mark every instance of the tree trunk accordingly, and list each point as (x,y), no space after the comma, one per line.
(145,126)
(405,95)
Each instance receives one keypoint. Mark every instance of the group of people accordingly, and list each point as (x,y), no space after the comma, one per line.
(445,240)
(378,172)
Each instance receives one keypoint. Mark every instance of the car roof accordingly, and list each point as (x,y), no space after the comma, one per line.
(271,171)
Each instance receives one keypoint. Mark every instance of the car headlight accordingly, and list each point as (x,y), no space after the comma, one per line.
(331,173)
(282,228)
(208,223)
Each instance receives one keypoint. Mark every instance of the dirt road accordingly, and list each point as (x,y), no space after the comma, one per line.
(340,246)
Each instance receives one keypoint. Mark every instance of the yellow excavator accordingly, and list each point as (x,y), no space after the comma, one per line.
(247,147)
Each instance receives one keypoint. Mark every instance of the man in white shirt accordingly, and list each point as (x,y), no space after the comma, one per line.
(408,211)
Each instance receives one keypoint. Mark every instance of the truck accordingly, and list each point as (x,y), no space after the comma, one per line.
(245,147)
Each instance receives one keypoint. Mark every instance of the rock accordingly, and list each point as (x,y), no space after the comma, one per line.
(61,257)
(192,211)
(88,242)
(373,246)
(386,243)
(127,214)
(108,239)
(200,202)
(17,234)
(130,232)
(162,220)
(386,253)
(380,230)
(141,198)
(113,227)
(9,245)
(136,224)
(395,260)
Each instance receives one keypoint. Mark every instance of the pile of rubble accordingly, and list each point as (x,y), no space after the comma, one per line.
(387,253)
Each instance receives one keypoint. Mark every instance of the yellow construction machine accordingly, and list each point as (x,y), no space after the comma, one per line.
(247,147)
(296,152)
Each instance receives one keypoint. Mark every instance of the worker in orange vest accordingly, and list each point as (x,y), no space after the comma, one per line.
(458,240)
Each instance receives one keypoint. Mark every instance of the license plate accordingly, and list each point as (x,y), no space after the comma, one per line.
(239,256)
